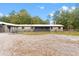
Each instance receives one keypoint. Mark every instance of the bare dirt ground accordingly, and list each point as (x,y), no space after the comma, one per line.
(38,45)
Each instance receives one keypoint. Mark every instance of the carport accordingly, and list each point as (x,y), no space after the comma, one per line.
(41,28)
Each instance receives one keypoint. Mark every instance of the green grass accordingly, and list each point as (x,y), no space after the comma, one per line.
(67,33)
(43,33)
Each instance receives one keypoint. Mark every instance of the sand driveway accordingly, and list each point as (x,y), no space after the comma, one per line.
(49,44)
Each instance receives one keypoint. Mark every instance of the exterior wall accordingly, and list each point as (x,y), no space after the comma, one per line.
(5,28)
(20,29)
(56,28)
(61,29)
(13,29)
(27,28)
(1,28)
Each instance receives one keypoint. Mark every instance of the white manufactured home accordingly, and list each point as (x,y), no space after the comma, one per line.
(8,27)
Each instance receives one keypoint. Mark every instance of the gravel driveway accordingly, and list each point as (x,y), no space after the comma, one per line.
(50,44)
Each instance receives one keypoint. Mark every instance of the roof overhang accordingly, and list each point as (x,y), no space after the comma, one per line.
(35,25)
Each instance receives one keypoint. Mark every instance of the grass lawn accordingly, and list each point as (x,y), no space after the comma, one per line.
(60,33)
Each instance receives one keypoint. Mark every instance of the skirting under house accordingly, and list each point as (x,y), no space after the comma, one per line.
(8,27)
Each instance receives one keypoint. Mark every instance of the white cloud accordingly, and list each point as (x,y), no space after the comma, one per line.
(70,10)
(73,7)
(65,8)
(1,14)
(51,14)
(51,22)
(7,15)
(42,7)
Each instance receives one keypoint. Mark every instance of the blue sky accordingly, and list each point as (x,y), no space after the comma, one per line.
(35,9)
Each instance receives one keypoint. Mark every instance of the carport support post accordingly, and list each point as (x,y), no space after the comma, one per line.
(61,28)
(50,28)
(6,28)
(33,28)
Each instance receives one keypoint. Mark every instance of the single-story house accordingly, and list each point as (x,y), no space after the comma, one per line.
(8,27)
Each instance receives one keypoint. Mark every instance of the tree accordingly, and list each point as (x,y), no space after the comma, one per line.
(70,20)
(5,19)
(21,17)
(36,20)
(12,13)
(13,17)
(24,17)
